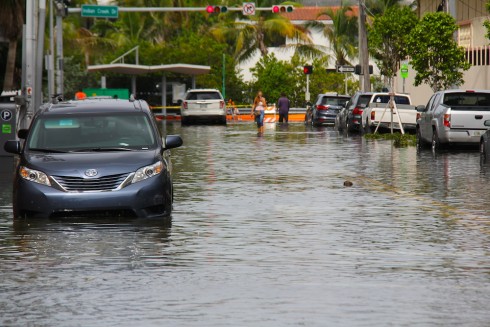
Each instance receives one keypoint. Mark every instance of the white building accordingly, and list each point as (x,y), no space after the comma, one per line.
(469,15)
(300,16)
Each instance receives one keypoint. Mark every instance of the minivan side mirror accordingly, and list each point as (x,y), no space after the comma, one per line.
(173,141)
(420,108)
(487,123)
(22,133)
(12,146)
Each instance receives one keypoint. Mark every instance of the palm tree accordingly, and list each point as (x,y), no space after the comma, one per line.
(11,21)
(342,34)
(247,37)
(377,7)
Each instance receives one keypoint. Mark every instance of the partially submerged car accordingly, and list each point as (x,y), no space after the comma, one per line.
(203,106)
(93,158)
(453,117)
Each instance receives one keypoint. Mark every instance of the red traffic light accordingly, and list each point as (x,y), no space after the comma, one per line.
(308,69)
(282,9)
(216,9)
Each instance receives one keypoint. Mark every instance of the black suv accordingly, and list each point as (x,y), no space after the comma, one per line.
(93,158)
(325,109)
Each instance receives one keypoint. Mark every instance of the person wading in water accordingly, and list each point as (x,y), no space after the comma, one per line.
(258,111)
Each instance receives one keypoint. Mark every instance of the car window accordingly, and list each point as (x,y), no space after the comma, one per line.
(437,98)
(76,132)
(399,99)
(467,99)
(364,100)
(335,101)
(203,96)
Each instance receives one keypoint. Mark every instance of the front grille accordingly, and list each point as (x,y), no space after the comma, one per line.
(94,214)
(78,184)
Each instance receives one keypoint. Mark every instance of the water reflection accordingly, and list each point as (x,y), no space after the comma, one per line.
(265,234)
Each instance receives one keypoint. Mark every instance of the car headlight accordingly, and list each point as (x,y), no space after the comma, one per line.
(35,176)
(147,172)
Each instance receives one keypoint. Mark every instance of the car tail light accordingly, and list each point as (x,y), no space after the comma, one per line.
(184,105)
(418,116)
(357,111)
(373,115)
(447,120)
(221,104)
(322,107)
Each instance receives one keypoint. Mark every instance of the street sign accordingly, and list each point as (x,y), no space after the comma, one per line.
(6,115)
(345,69)
(100,11)
(404,70)
(248,8)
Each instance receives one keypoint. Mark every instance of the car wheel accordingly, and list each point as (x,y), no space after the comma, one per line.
(436,144)
(367,128)
(483,153)
(420,143)
(183,121)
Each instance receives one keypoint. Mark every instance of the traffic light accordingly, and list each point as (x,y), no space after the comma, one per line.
(358,69)
(282,9)
(216,9)
(308,69)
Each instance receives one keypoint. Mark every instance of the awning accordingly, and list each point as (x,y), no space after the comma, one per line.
(132,69)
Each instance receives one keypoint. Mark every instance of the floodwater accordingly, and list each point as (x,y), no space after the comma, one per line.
(265,234)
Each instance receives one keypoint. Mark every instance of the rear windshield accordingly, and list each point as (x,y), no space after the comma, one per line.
(334,101)
(466,100)
(364,100)
(399,99)
(100,131)
(203,96)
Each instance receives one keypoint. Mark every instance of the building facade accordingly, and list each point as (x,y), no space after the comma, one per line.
(470,16)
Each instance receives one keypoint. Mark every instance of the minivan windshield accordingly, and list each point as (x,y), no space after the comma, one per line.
(99,132)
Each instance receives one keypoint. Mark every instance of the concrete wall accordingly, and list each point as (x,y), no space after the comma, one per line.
(477,77)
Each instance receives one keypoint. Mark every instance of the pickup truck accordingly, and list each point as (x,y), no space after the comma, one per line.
(372,115)
(453,117)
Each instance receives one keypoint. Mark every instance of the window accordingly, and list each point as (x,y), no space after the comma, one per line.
(203,96)
(80,132)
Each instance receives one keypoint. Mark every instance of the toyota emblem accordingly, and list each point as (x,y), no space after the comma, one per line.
(91,172)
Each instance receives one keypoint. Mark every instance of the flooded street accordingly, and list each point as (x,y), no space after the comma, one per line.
(264,233)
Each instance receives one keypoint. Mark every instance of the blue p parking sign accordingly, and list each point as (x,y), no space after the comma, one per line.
(6,115)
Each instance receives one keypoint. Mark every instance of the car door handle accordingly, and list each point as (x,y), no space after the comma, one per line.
(479,117)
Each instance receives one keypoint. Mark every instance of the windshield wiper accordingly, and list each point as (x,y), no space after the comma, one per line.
(46,150)
(102,149)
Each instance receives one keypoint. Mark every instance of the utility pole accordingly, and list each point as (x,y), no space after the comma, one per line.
(29,87)
(59,53)
(363,49)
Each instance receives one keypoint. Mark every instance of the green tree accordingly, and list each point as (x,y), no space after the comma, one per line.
(342,34)
(434,53)
(388,38)
(486,23)
(247,37)
(11,21)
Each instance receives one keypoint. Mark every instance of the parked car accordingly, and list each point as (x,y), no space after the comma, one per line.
(485,144)
(203,106)
(350,117)
(93,158)
(453,117)
(376,113)
(325,109)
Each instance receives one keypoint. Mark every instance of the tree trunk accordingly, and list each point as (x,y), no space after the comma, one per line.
(262,47)
(8,82)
